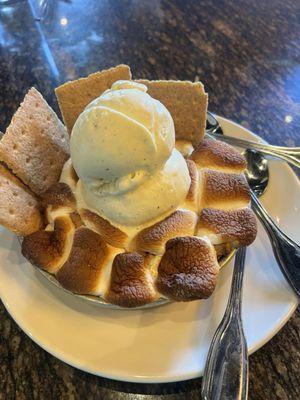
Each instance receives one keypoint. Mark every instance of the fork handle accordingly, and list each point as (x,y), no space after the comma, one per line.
(286,251)
(289,154)
(226,369)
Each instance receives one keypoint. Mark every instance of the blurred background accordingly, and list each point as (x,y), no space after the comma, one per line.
(246,52)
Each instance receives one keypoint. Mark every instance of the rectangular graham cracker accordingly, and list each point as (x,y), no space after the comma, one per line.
(187,103)
(74,96)
(36,143)
(19,208)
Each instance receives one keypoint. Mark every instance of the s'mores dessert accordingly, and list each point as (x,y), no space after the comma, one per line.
(133,203)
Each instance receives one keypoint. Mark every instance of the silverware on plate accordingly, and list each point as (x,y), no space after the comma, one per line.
(289,154)
(286,251)
(226,369)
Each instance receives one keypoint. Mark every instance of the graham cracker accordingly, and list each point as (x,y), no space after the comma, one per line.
(74,96)
(19,208)
(187,103)
(36,143)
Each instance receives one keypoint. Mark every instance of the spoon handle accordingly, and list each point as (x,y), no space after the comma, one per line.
(286,251)
(289,154)
(226,370)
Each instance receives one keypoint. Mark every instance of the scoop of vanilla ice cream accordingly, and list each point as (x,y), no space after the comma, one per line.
(123,150)
(156,195)
(123,131)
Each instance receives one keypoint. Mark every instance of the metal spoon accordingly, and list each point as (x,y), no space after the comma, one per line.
(286,251)
(289,154)
(226,369)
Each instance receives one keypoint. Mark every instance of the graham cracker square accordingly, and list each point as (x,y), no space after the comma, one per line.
(19,208)
(187,103)
(36,143)
(74,96)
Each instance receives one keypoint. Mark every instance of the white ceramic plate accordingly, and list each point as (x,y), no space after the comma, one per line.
(162,344)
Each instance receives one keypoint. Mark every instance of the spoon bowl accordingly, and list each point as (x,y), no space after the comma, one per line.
(257,172)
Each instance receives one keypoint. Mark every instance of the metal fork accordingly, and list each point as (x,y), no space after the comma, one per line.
(289,154)
(226,370)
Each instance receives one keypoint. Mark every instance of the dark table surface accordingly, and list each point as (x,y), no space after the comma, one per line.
(247,53)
